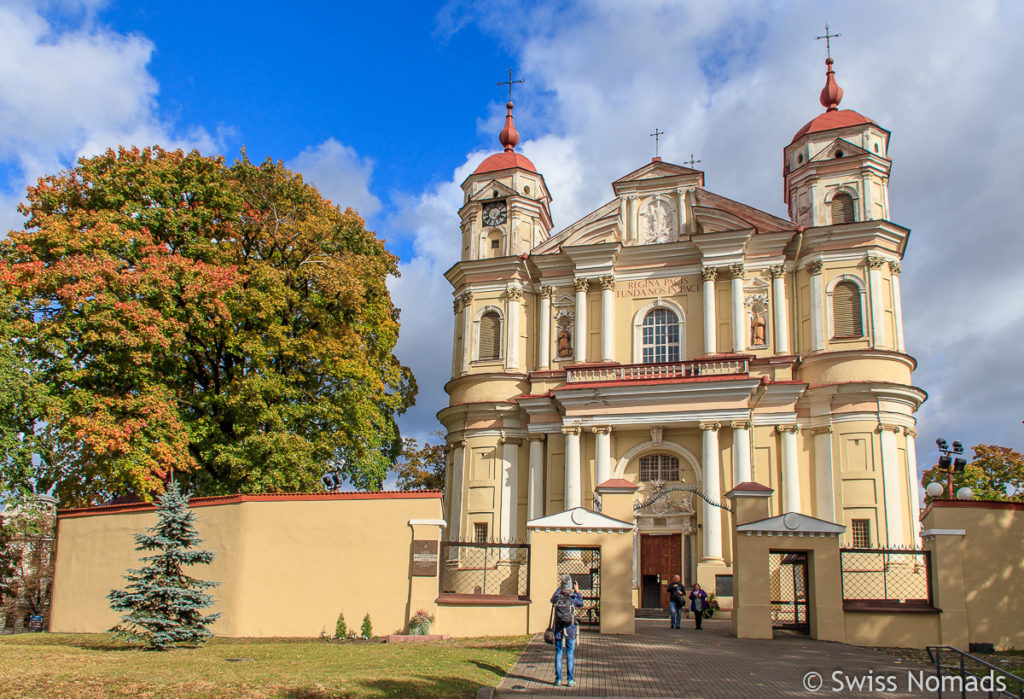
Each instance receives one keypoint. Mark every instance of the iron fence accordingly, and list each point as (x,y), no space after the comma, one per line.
(485,569)
(787,590)
(900,576)
(583,564)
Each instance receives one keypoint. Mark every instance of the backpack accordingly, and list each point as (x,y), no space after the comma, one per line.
(564,610)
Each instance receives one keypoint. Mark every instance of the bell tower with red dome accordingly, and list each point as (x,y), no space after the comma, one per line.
(836,167)
(506,209)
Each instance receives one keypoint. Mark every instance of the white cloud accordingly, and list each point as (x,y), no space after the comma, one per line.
(340,175)
(733,81)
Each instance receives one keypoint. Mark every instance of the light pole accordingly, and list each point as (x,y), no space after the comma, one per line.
(951,461)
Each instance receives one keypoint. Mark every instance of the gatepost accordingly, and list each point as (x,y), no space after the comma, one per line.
(424,554)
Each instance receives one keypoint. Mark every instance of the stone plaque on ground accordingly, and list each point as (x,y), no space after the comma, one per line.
(424,557)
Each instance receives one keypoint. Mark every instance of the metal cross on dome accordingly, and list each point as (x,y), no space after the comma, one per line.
(656,135)
(510,82)
(827,37)
(691,162)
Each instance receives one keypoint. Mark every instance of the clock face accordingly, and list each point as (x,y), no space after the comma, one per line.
(495,213)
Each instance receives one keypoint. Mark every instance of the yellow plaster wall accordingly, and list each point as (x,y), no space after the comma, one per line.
(892,629)
(286,568)
(482,620)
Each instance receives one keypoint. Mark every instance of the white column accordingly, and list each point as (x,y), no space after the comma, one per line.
(877,309)
(740,452)
(632,200)
(602,454)
(544,349)
(866,199)
(458,466)
(580,338)
(781,329)
(513,296)
(710,324)
(509,523)
(681,211)
(535,499)
(739,317)
(623,218)
(817,309)
(897,304)
(607,318)
(467,327)
(456,348)
(712,516)
(891,486)
(915,483)
(790,469)
(824,478)
(573,487)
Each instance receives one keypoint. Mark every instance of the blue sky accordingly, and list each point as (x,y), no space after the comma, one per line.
(388,106)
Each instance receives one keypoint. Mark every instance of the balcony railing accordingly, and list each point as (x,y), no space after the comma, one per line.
(668,370)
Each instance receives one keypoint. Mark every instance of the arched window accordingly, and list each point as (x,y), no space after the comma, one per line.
(842,208)
(660,336)
(846,310)
(490,335)
(659,467)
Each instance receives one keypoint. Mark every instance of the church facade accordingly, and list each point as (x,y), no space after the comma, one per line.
(684,343)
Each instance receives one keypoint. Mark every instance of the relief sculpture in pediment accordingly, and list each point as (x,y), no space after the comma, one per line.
(656,225)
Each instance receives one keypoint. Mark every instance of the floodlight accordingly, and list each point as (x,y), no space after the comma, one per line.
(959,463)
(934,490)
(944,461)
(965,493)
(958,447)
(941,443)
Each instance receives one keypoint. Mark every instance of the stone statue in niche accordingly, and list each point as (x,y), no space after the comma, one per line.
(564,342)
(757,328)
(657,226)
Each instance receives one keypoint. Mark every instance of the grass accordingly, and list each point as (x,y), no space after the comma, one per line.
(95,665)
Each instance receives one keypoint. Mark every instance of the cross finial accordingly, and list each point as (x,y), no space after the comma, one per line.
(656,136)
(827,37)
(691,162)
(510,82)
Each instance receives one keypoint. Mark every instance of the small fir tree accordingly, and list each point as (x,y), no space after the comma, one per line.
(367,629)
(163,604)
(341,628)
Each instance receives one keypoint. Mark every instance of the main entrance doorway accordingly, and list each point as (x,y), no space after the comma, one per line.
(787,584)
(660,559)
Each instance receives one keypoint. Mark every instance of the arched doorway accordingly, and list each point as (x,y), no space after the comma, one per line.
(665,544)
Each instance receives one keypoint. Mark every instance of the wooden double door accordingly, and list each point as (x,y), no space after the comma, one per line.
(660,559)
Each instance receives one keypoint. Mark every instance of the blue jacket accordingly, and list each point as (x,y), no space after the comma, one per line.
(570,631)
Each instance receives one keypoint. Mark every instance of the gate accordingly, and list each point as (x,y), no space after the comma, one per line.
(787,580)
(584,566)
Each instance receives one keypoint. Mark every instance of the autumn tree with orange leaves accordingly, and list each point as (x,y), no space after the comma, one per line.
(174,313)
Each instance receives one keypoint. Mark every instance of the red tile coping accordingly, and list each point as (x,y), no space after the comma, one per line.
(750,487)
(617,484)
(653,382)
(487,600)
(407,638)
(888,606)
(238,498)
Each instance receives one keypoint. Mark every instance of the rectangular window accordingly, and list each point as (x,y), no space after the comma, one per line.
(861,530)
(480,532)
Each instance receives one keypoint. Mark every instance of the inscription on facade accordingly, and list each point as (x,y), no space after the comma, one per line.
(649,288)
(424,557)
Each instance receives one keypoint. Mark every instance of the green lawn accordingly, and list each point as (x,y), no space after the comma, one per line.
(87,665)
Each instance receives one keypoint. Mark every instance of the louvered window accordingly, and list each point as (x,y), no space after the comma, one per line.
(846,310)
(660,339)
(659,467)
(842,208)
(490,336)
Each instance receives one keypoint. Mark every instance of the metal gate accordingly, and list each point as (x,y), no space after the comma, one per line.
(787,580)
(584,565)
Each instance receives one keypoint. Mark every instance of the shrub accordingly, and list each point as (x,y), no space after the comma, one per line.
(340,628)
(419,625)
(367,630)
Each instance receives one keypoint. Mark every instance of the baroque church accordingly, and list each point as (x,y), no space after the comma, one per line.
(680,342)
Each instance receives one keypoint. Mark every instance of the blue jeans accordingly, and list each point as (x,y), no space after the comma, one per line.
(675,611)
(570,657)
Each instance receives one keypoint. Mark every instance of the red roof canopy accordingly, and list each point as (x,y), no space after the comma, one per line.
(835,119)
(504,161)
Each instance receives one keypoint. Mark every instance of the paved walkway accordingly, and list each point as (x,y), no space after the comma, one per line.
(661,662)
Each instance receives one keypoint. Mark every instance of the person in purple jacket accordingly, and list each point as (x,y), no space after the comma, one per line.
(566,600)
(698,603)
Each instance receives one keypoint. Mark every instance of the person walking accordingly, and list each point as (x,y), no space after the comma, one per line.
(676,601)
(566,600)
(698,603)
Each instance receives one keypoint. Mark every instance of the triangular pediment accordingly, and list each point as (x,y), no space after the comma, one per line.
(792,522)
(487,191)
(655,169)
(599,226)
(579,519)
(829,152)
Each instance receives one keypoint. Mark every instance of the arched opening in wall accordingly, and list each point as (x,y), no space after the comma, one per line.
(663,468)
(846,310)
(490,335)
(660,337)
(842,208)
(493,244)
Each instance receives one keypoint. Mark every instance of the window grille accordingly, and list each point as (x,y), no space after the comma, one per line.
(490,336)
(480,532)
(842,208)
(660,339)
(846,310)
(659,467)
(861,531)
